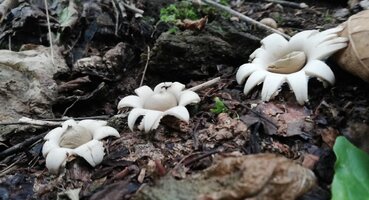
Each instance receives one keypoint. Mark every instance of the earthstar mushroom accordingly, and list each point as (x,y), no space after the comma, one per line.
(167,98)
(76,139)
(295,61)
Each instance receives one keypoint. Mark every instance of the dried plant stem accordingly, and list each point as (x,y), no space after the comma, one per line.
(205,84)
(132,8)
(245,18)
(147,64)
(289,3)
(49,29)
(26,120)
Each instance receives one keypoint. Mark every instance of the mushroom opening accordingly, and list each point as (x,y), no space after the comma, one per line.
(289,63)
(75,136)
(161,101)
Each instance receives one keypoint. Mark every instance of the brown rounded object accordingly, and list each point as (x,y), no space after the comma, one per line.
(355,58)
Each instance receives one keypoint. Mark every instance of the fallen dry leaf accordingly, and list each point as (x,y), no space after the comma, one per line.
(310,161)
(290,119)
(226,127)
(329,136)
(193,24)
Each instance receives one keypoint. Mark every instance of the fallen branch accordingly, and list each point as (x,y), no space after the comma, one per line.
(133,8)
(289,3)
(49,30)
(26,120)
(245,18)
(146,65)
(205,84)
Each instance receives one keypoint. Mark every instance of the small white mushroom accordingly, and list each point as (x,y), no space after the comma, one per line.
(79,139)
(167,98)
(279,61)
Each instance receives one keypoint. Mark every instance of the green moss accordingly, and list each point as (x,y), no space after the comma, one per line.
(173,30)
(179,11)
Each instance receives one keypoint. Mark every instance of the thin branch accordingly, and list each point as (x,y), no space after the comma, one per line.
(49,29)
(245,18)
(26,120)
(147,64)
(289,3)
(132,8)
(205,84)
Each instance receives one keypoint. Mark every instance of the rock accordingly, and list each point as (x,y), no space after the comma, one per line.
(269,22)
(187,55)
(27,87)
(352,3)
(364,4)
(342,14)
(232,177)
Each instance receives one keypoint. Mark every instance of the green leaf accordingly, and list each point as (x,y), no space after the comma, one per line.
(219,106)
(351,178)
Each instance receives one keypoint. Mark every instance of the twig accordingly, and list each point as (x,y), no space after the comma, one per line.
(132,8)
(205,84)
(289,3)
(20,146)
(243,17)
(49,29)
(116,17)
(147,64)
(71,106)
(29,121)
(26,120)
(84,97)
(9,168)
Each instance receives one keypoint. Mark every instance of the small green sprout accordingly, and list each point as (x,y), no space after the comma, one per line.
(219,106)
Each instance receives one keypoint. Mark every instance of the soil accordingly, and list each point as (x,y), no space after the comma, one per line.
(107,63)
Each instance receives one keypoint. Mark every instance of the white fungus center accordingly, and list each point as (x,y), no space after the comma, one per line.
(290,63)
(74,137)
(161,101)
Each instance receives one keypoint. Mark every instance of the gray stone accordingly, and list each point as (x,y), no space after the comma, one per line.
(27,87)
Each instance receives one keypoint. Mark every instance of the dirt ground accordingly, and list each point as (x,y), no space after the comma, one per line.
(118,52)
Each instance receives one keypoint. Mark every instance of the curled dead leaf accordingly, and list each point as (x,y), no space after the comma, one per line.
(193,24)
